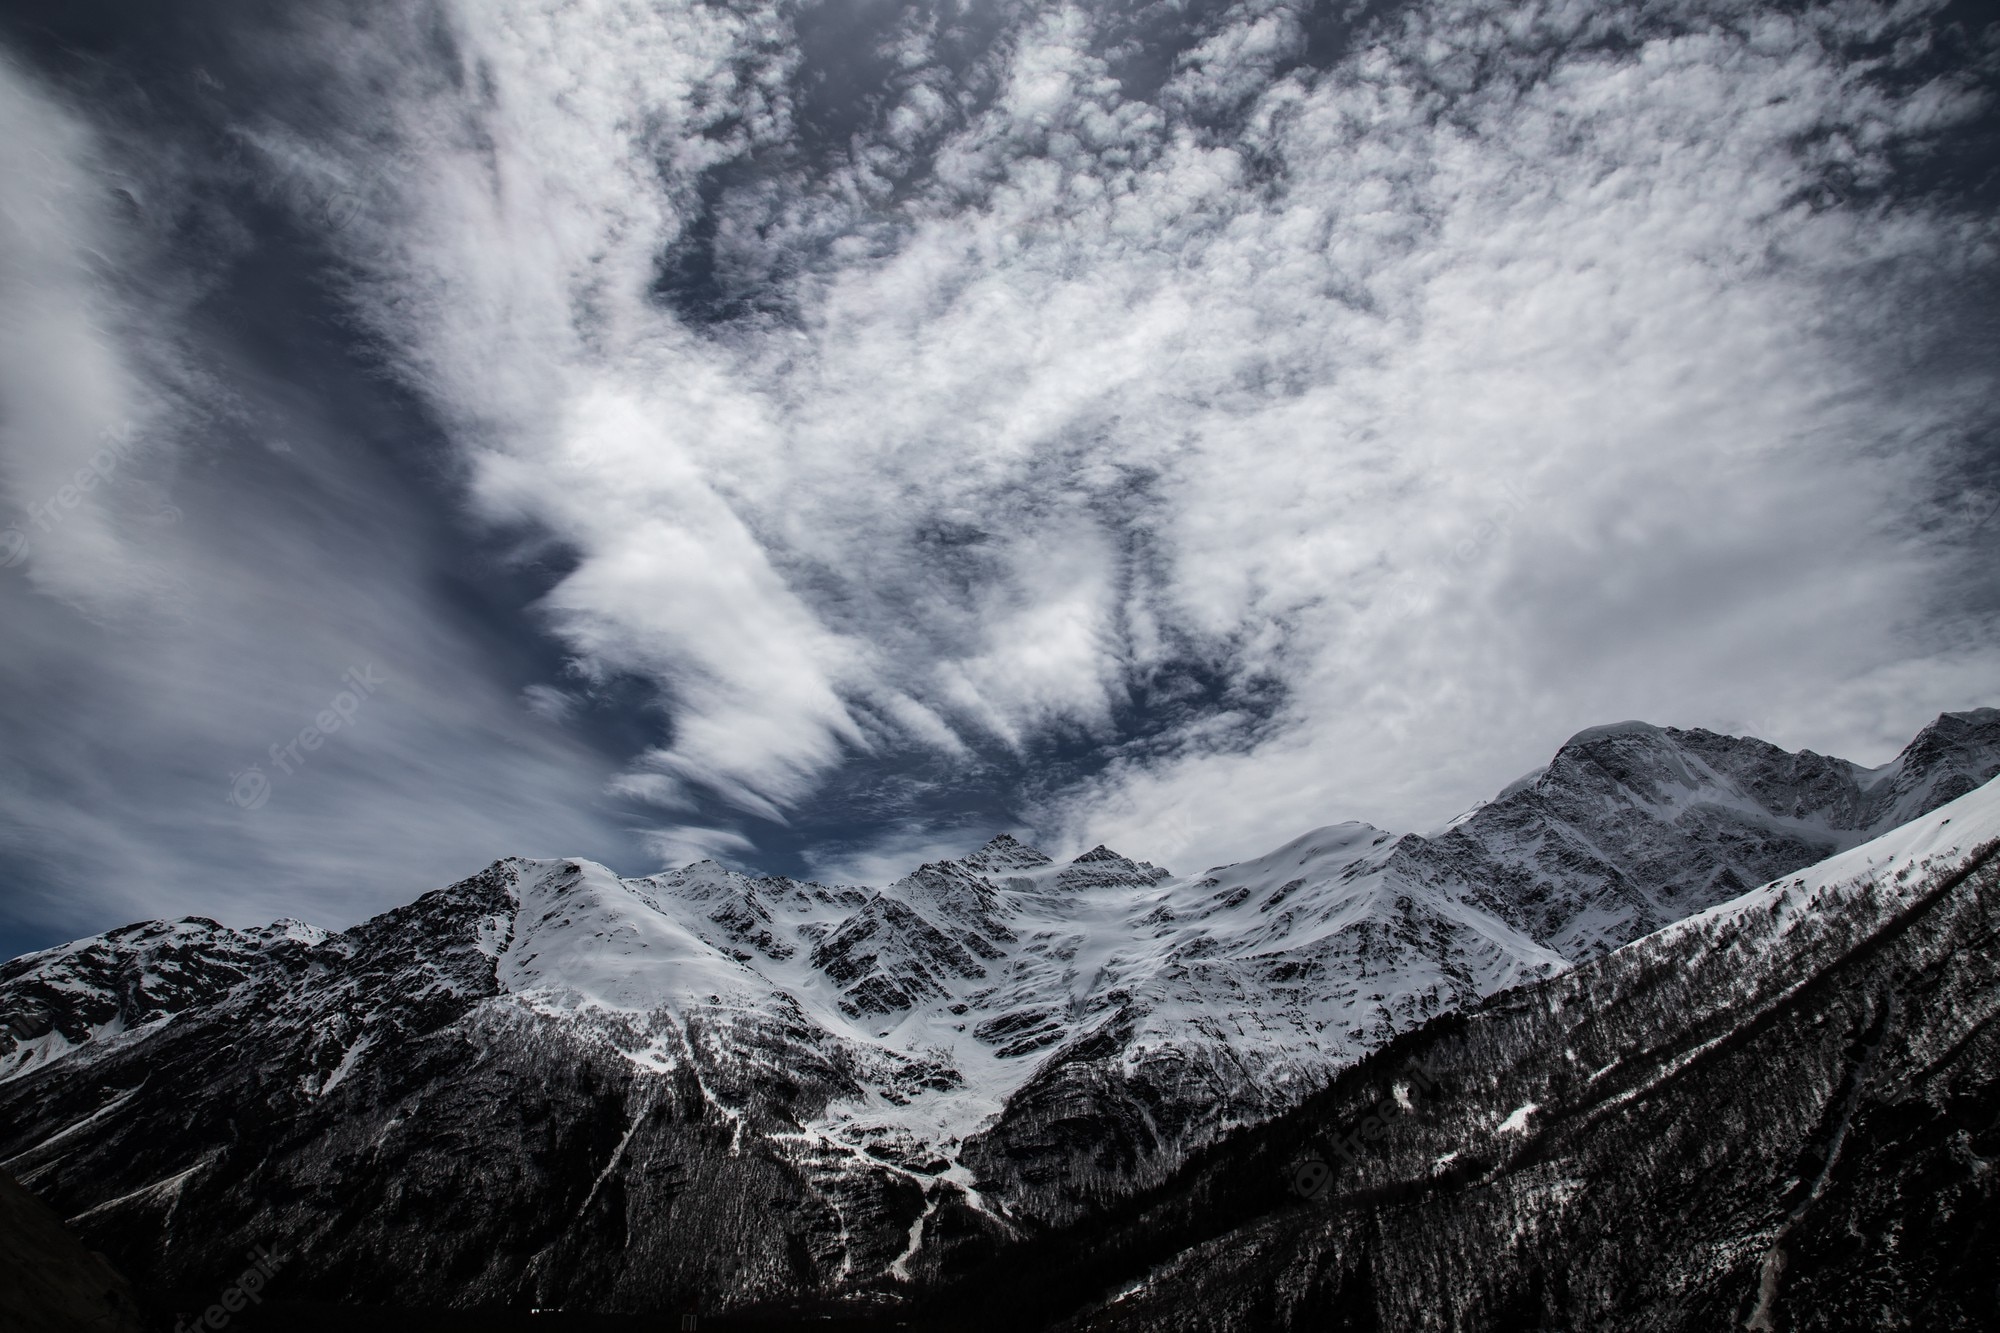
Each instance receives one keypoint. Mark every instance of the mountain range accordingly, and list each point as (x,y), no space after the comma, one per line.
(1781,1113)
(547,1086)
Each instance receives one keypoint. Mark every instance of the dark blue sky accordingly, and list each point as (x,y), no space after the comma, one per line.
(824,436)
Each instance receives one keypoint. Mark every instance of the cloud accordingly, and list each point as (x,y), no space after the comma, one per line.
(891,854)
(688,844)
(1500,377)
(1234,428)
(75,435)
(183,625)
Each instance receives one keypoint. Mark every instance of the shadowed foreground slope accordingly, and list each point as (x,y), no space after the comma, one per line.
(49,1283)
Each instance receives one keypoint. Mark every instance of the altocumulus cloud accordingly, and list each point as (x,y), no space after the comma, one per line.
(1280,416)
(1027,388)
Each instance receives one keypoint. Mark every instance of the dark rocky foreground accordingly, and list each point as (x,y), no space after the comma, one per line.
(52,1284)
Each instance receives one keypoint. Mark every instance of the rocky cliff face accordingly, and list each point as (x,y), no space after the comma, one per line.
(549,1086)
(1633,826)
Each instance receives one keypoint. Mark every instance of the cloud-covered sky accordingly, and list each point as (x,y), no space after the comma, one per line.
(823,435)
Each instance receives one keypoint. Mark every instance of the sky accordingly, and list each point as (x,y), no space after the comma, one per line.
(820,436)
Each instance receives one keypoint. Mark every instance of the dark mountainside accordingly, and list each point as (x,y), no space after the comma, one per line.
(380,1108)
(1786,1118)
(54,1284)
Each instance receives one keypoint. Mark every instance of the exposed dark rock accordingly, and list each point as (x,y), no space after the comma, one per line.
(49,1283)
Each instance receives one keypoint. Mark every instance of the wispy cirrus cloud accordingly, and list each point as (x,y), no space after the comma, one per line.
(1028,392)
(215,553)
(1193,425)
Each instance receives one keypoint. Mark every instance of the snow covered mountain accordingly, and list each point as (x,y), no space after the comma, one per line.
(845,1055)
(1633,826)
(1779,1113)
(550,1085)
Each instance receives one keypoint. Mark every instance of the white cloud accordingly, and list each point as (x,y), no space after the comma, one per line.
(176,624)
(687,844)
(1494,382)
(76,427)
(894,854)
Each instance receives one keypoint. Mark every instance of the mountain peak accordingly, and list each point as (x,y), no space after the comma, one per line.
(1951,756)
(1101,867)
(1609,730)
(1006,852)
(1968,723)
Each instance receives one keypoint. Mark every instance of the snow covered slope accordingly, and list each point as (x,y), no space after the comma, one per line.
(1633,826)
(867,1049)
(899,1075)
(121,984)
(1782,1112)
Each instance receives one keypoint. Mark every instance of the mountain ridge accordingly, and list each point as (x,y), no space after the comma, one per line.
(1778,1113)
(909,1076)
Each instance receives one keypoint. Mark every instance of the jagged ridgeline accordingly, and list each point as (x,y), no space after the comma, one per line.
(1782,1113)
(547,1086)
